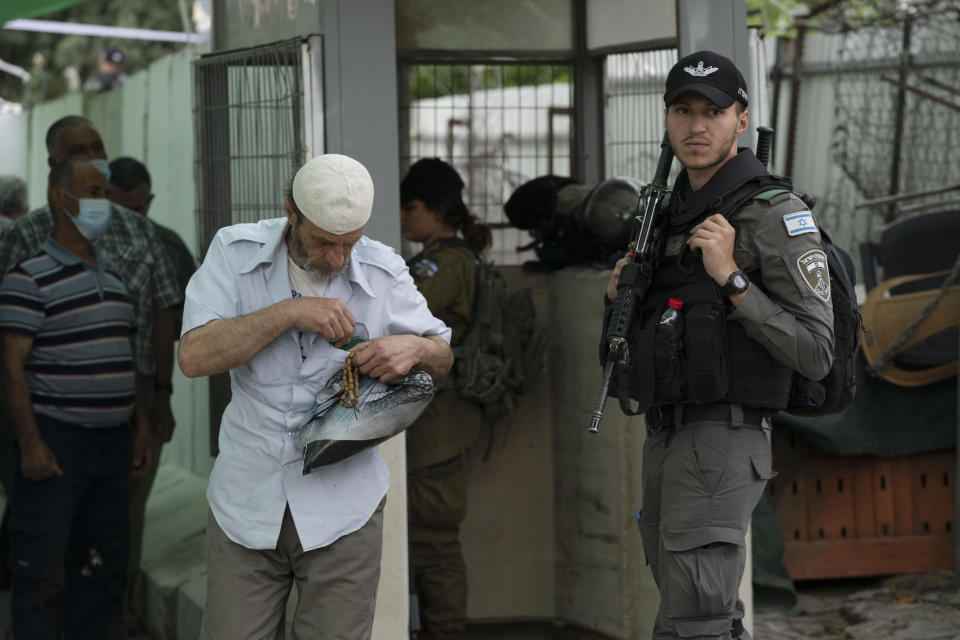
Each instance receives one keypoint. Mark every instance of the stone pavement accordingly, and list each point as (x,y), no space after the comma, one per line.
(905,607)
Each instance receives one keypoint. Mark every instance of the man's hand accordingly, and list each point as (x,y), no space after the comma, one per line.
(327,316)
(37,461)
(714,237)
(142,452)
(162,421)
(388,357)
(615,278)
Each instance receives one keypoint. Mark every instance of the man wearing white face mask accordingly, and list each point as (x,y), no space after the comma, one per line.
(131,243)
(70,393)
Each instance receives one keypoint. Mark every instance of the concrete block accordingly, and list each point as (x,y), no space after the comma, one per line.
(190,602)
(162,579)
(174,555)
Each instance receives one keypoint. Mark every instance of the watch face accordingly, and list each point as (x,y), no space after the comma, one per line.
(739,282)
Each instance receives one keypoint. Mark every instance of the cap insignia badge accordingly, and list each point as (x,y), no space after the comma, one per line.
(700,71)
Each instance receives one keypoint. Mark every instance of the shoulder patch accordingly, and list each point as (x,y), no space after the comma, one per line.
(799,222)
(813,268)
(425,268)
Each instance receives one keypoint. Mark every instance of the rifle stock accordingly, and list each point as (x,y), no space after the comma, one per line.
(635,277)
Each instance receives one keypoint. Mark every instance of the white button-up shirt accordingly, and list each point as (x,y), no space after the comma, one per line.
(258,470)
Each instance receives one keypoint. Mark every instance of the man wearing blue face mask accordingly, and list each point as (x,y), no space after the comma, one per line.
(70,393)
(130,242)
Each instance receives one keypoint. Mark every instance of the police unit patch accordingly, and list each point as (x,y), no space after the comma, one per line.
(799,222)
(700,71)
(813,269)
(425,268)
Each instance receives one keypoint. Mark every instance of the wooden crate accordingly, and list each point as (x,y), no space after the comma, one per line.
(844,516)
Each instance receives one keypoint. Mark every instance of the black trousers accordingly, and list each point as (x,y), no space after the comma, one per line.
(68,535)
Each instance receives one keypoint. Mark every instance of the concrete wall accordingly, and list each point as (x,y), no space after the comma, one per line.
(551,526)
(14,133)
(602,583)
(508,534)
(247,23)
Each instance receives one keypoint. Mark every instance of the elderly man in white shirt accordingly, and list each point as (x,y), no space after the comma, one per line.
(273,303)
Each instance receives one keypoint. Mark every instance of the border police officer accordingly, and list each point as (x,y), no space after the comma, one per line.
(755,295)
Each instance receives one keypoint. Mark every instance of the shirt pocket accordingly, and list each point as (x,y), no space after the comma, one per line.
(277,364)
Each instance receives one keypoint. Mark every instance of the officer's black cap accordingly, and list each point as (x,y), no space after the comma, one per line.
(430,180)
(710,74)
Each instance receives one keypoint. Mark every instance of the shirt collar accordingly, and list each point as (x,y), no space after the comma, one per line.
(60,253)
(66,257)
(274,250)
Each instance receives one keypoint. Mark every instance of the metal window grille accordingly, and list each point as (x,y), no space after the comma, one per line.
(250,132)
(633,90)
(897,122)
(498,125)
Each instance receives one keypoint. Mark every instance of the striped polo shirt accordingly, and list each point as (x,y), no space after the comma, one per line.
(80,368)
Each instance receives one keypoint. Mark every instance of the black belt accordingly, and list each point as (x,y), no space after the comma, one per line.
(659,418)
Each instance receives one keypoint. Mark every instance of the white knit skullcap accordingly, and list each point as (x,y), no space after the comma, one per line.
(334,192)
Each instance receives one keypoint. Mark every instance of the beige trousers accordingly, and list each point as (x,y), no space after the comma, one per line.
(247,589)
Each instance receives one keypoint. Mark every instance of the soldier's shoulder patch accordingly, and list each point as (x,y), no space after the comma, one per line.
(799,222)
(425,268)
(813,268)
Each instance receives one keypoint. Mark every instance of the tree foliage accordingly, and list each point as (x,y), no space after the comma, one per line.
(52,58)
(781,17)
(435,80)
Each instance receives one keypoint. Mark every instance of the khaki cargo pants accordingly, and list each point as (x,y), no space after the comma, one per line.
(700,485)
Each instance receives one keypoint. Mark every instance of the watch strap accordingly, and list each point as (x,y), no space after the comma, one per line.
(729,288)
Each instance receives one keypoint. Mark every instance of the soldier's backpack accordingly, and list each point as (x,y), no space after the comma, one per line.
(503,352)
(836,391)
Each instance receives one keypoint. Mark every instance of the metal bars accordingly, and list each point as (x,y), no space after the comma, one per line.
(249,125)
(896,125)
(633,92)
(499,125)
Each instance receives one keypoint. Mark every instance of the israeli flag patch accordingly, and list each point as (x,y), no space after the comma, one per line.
(799,222)
(425,268)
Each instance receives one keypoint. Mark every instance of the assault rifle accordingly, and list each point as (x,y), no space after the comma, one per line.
(635,276)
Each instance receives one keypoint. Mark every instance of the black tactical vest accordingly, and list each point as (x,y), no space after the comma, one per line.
(712,359)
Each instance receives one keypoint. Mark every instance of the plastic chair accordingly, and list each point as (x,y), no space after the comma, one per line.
(925,244)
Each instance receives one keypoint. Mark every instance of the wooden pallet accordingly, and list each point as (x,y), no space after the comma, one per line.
(845,516)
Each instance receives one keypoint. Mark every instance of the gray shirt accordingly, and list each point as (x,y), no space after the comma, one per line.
(793,317)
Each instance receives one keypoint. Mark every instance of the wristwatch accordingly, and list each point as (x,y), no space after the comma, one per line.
(738,282)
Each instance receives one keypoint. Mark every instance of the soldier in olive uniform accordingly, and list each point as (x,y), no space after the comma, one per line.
(756,308)
(433,213)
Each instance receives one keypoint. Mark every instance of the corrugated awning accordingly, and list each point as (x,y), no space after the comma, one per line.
(14,9)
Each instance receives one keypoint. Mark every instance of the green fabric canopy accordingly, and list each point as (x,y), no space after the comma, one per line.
(15,9)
